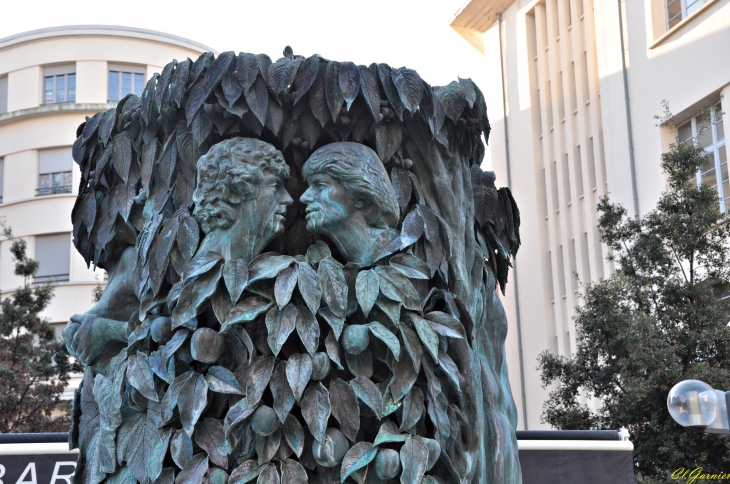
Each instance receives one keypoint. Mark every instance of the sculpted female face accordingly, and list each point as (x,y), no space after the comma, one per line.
(329,204)
(349,198)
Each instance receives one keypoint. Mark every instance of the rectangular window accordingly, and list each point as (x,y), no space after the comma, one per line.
(59,84)
(2,177)
(3,94)
(54,171)
(707,131)
(125,80)
(677,10)
(53,253)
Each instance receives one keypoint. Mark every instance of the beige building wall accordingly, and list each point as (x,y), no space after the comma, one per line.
(30,126)
(563,127)
(88,87)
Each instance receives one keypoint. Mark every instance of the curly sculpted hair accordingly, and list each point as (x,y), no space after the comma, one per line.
(229,174)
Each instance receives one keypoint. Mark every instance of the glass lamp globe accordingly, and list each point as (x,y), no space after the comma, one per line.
(721,422)
(693,403)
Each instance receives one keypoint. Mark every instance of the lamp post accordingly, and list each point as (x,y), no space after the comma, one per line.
(696,405)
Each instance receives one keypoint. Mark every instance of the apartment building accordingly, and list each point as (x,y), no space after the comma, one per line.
(50,80)
(578,84)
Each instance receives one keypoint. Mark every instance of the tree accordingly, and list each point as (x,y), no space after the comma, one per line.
(97,292)
(657,320)
(34,364)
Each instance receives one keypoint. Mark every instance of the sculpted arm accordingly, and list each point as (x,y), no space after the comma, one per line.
(88,335)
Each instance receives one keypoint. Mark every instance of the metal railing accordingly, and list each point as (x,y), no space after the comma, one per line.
(51,278)
(52,190)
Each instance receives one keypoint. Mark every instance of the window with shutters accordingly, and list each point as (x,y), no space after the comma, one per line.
(59,84)
(53,253)
(54,171)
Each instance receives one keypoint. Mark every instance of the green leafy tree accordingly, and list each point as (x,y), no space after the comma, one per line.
(97,292)
(34,364)
(660,318)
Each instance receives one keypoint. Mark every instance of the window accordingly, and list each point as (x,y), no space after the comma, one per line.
(3,94)
(59,84)
(710,135)
(2,177)
(53,253)
(681,9)
(54,171)
(125,80)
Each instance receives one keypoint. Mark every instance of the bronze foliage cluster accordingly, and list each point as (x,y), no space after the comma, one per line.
(296,367)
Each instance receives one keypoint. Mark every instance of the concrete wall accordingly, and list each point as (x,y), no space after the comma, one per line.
(529,274)
(91,85)
(555,172)
(24,87)
(568,143)
(688,69)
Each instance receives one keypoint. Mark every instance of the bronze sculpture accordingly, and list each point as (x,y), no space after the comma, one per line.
(240,205)
(366,344)
(240,199)
(350,200)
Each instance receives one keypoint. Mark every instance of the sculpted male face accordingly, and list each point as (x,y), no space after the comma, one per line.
(241,205)
(267,212)
(349,198)
(240,199)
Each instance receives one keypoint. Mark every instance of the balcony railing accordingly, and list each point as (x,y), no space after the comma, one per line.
(52,183)
(51,190)
(50,278)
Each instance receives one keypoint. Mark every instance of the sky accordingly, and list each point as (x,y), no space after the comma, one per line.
(410,33)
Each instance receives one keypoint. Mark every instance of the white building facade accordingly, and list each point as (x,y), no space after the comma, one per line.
(50,80)
(578,84)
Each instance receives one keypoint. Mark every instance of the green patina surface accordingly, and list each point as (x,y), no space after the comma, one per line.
(303,258)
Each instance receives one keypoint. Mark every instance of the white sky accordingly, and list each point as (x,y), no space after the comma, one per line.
(408,33)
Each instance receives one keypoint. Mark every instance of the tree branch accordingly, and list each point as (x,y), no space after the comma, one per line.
(679,263)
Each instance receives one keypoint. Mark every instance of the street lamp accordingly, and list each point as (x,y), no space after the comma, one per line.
(719,427)
(696,405)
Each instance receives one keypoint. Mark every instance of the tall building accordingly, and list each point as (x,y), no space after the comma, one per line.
(578,84)
(50,79)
